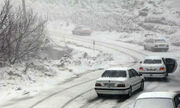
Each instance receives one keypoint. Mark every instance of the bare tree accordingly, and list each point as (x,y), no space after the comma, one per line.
(19,38)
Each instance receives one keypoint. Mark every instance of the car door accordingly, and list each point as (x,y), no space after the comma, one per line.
(177,101)
(171,65)
(132,80)
(137,79)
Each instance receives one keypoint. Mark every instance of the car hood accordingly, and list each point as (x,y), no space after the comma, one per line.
(104,79)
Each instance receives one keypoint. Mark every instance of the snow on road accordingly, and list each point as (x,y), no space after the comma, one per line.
(73,85)
(82,95)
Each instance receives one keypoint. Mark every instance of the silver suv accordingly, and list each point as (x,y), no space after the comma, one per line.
(156,45)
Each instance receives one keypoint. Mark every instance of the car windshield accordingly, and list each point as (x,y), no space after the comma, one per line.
(154,103)
(152,61)
(160,41)
(114,73)
(79,27)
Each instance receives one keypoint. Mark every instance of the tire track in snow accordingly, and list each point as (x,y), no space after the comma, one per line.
(42,100)
(99,43)
(104,45)
(37,103)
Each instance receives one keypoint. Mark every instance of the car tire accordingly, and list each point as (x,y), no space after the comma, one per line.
(129,92)
(100,95)
(165,79)
(142,86)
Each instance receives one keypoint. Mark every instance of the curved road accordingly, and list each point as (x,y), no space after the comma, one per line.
(79,92)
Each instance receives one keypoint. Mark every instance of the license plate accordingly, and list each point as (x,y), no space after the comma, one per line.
(151,69)
(109,84)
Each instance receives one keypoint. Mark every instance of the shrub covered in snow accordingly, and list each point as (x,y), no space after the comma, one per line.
(21,35)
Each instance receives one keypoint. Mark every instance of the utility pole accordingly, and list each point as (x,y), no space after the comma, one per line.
(24,8)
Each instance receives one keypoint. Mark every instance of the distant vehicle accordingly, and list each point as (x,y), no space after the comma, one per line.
(158,100)
(156,44)
(157,67)
(143,12)
(82,31)
(119,81)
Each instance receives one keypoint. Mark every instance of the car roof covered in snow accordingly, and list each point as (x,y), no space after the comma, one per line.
(153,57)
(160,38)
(119,68)
(157,95)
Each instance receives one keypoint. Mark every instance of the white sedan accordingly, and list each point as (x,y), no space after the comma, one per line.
(157,67)
(156,44)
(119,81)
(158,100)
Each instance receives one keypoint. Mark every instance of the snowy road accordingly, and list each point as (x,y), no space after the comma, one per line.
(79,92)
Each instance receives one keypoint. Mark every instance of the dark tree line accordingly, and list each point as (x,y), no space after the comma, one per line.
(20,36)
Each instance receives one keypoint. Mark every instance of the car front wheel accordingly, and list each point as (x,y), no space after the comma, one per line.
(130,92)
(100,95)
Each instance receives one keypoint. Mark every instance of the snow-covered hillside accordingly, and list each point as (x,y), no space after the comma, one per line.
(135,17)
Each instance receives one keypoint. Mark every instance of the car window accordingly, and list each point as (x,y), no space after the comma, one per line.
(131,73)
(134,72)
(154,103)
(169,61)
(152,61)
(114,73)
(160,41)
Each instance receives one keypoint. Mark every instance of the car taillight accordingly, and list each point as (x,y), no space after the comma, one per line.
(121,85)
(162,68)
(98,84)
(141,68)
